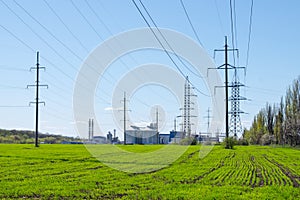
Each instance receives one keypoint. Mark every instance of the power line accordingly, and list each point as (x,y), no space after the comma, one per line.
(173,51)
(6,68)
(219,17)
(65,25)
(106,27)
(29,47)
(165,50)
(11,87)
(235,30)
(249,36)
(52,48)
(190,22)
(24,43)
(50,33)
(94,29)
(232,24)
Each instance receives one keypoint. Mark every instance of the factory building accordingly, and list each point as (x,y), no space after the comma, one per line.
(176,136)
(142,135)
(98,140)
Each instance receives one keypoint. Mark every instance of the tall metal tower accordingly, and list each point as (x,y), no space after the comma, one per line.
(235,119)
(187,108)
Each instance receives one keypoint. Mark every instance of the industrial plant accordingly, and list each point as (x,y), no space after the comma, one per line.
(149,134)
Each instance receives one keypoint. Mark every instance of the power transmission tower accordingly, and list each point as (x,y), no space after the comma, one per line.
(124,117)
(37,101)
(208,116)
(187,108)
(235,119)
(235,85)
(226,66)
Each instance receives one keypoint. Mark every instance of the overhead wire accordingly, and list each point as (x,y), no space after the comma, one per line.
(12,87)
(219,18)
(232,30)
(47,30)
(235,30)
(190,22)
(35,33)
(29,47)
(93,28)
(107,28)
(6,68)
(52,48)
(249,35)
(65,25)
(161,44)
(168,44)
(57,39)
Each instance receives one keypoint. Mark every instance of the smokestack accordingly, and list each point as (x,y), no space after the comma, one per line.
(89,130)
(92,128)
(114,133)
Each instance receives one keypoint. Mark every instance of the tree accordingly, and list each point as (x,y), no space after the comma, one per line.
(269,118)
(280,123)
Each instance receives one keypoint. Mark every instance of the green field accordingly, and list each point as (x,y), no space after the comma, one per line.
(69,171)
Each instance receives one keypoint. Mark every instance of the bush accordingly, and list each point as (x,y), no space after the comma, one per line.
(229,142)
(243,142)
(188,141)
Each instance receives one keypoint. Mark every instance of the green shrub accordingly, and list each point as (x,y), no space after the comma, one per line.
(229,142)
(188,141)
(243,142)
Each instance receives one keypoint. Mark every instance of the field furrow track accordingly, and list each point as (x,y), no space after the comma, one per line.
(71,172)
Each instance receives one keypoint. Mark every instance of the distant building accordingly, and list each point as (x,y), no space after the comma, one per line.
(99,140)
(176,136)
(164,138)
(206,137)
(142,135)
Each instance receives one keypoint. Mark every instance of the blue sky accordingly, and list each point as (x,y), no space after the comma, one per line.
(273,59)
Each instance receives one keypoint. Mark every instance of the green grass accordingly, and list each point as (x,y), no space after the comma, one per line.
(70,171)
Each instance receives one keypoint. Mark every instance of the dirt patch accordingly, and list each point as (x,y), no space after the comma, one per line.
(259,175)
(196,179)
(286,171)
(94,168)
(192,154)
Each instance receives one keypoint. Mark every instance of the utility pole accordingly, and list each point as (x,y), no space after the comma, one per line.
(226,66)
(37,102)
(208,119)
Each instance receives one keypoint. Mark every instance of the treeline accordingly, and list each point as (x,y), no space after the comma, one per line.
(278,123)
(27,137)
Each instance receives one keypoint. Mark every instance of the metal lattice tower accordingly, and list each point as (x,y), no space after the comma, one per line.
(235,119)
(187,108)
